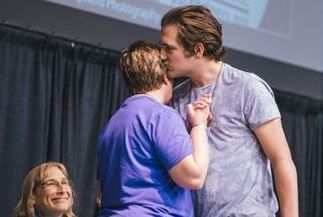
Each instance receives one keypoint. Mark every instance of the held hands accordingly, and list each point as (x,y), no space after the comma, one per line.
(199,111)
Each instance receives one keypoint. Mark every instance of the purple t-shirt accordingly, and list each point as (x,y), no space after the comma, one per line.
(143,140)
(239,180)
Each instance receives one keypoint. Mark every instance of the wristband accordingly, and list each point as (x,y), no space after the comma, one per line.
(199,126)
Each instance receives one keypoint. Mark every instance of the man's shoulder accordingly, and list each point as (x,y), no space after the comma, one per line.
(243,79)
(234,75)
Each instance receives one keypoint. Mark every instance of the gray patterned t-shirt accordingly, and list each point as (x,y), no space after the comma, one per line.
(239,181)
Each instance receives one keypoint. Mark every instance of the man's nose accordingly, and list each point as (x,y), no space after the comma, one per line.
(163,54)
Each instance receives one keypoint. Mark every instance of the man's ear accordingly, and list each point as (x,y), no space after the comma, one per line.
(199,50)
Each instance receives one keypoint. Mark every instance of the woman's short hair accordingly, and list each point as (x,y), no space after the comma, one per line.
(142,67)
(34,179)
(196,24)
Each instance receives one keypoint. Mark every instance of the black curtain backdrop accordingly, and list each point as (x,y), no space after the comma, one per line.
(303,123)
(55,97)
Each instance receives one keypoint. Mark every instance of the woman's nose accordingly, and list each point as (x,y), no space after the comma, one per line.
(62,186)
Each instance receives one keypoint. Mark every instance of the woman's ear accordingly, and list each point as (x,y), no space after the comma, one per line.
(33,198)
(199,50)
(166,79)
(34,195)
(31,203)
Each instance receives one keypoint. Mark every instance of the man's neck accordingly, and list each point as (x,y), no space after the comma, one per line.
(207,73)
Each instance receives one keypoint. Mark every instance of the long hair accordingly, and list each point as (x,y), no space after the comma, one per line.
(26,204)
(196,24)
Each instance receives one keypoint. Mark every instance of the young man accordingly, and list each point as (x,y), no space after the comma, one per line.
(147,160)
(245,135)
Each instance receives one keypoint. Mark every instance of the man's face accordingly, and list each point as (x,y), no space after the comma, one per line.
(173,53)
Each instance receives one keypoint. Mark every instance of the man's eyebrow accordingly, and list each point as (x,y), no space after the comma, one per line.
(162,43)
(167,45)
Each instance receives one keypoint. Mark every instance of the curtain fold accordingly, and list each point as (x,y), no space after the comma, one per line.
(303,123)
(55,97)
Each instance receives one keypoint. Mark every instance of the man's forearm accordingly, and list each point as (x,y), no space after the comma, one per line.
(286,184)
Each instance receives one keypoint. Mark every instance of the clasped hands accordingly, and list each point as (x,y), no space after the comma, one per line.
(199,112)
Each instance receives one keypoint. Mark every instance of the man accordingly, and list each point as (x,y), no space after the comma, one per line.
(245,135)
(147,161)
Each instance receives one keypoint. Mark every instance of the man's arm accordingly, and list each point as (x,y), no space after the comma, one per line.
(273,142)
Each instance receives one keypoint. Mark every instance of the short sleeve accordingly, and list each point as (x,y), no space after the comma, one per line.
(171,139)
(260,105)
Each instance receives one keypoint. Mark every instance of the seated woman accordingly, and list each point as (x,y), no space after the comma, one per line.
(46,192)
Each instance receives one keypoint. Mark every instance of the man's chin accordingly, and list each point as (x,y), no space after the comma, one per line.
(171,74)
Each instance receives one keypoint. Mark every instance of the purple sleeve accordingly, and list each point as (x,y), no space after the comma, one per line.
(171,139)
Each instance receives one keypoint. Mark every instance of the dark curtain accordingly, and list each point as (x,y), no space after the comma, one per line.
(55,97)
(303,123)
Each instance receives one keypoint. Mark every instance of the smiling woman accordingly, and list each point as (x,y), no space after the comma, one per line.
(46,191)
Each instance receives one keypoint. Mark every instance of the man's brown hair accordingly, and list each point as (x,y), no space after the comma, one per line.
(142,67)
(196,24)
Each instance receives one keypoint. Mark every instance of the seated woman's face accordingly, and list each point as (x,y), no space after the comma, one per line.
(54,196)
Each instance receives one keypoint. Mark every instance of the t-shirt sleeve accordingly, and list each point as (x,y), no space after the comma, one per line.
(260,105)
(171,139)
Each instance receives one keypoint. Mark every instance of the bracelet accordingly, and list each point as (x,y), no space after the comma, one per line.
(199,126)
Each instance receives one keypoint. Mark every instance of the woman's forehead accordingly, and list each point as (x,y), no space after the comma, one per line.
(52,172)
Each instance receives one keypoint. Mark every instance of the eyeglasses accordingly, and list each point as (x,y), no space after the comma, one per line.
(50,183)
